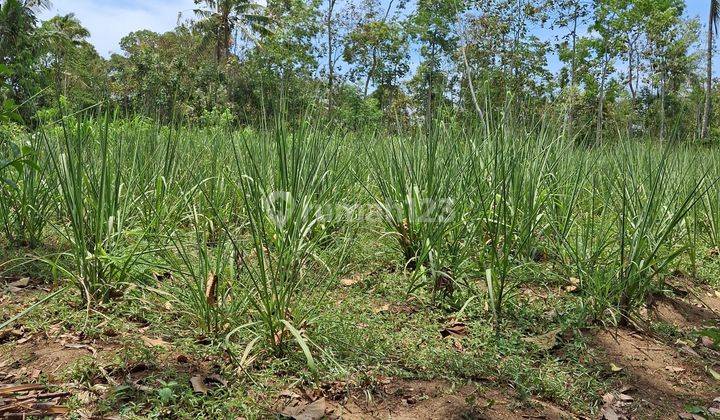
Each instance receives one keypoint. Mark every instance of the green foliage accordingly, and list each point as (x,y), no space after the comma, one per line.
(211,293)
(71,62)
(166,76)
(495,170)
(288,186)
(653,202)
(28,198)
(19,51)
(635,70)
(422,195)
(511,176)
(97,196)
(13,155)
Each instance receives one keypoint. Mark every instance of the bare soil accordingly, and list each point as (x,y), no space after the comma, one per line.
(416,399)
(650,376)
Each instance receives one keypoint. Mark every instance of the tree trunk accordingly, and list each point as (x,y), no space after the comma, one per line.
(601,102)
(429,97)
(708,81)
(371,72)
(468,75)
(662,106)
(569,114)
(331,72)
(630,52)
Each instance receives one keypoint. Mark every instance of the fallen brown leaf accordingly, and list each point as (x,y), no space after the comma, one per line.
(198,385)
(81,347)
(203,384)
(313,411)
(11,389)
(211,289)
(689,350)
(609,414)
(383,308)
(458,345)
(455,328)
(707,341)
(608,398)
(292,395)
(155,342)
(350,281)
(23,340)
(23,282)
(625,398)
(545,341)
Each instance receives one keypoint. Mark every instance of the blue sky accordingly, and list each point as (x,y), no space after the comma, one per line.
(110,20)
(700,8)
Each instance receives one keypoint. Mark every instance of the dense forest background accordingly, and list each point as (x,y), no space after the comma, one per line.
(637,67)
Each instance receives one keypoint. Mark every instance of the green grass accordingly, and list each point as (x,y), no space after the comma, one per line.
(231,246)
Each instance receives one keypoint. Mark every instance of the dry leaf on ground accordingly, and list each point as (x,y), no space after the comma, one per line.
(313,411)
(545,341)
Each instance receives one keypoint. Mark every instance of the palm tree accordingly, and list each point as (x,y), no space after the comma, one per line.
(223,17)
(713,20)
(17,22)
(62,35)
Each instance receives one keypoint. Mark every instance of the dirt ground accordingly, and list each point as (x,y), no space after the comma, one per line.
(652,376)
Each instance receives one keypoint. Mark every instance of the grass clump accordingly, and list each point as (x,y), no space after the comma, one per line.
(98,197)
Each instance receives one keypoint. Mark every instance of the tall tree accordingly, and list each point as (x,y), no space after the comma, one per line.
(280,75)
(19,51)
(669,38)
(434,25)
(607,50)
(63,37)
(377,48)
(571,14)
(713,19)
(329,21)
(501,52)
(223,18)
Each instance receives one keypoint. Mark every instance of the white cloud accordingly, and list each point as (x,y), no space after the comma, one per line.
(108,21)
